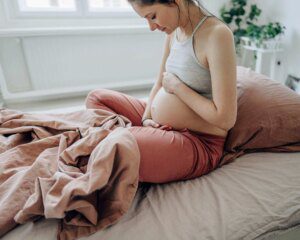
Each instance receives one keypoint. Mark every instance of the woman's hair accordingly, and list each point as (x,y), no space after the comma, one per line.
(167,2)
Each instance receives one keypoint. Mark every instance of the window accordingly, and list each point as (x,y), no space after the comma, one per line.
(47,5)
(104,5)
(26,6)
(69,13)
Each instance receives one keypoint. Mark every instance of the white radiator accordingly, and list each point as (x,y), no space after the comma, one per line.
(38,65)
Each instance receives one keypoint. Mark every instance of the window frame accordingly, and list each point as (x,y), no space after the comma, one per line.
(81,12)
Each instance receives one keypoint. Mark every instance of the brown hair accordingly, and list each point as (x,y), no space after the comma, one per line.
(168,2)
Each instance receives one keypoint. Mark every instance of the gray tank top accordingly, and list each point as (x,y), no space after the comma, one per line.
(183,62)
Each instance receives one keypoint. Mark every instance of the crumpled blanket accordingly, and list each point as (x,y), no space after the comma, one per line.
(81,167)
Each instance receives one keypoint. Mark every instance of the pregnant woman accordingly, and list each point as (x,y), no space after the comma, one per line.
(182,128)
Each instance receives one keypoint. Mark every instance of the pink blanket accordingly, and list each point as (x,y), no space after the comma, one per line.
(81,167)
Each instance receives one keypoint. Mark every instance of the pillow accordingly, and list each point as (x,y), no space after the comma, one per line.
(268,117)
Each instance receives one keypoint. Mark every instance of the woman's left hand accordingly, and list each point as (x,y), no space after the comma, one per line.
(170,82)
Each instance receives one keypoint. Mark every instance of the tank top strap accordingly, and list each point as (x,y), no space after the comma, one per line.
(199,24)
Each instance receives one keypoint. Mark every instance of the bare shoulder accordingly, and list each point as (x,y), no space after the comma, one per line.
(220,42)
(220,32)
(213,32)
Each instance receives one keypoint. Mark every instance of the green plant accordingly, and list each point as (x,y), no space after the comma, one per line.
(264,32)
(243,24)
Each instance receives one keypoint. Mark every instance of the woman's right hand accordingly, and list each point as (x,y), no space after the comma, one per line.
(151,123)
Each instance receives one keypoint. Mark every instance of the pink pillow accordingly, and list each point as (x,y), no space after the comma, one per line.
(268,117)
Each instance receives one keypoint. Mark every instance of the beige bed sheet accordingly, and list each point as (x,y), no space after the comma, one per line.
(255,194)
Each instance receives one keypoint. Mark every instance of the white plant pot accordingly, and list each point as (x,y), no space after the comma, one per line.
(246,41)
(271,44)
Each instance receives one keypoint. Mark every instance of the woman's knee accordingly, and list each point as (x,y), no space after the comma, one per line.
(97,96)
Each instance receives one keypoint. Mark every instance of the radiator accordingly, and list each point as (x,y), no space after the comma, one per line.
(50,65)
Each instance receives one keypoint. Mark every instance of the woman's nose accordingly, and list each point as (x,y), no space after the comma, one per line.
(152,26)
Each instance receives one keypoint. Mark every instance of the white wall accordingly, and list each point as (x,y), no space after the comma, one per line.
(287,13)
(34,60)
(214,6)
(8,20)
(62,57)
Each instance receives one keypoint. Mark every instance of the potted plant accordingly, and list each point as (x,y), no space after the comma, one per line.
(245,29)
(267,36)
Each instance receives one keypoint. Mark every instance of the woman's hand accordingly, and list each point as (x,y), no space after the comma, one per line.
(151,123)
(170,82)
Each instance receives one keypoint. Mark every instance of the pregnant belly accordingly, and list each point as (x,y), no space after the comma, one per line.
(168,109)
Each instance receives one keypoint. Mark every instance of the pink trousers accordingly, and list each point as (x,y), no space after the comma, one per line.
(166,155)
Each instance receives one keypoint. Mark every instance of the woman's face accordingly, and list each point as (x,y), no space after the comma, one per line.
(159,16)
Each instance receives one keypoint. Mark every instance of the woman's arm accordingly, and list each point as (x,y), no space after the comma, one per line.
(221,111)
(158,84)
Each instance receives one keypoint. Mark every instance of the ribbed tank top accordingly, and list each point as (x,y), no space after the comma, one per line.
(183,62)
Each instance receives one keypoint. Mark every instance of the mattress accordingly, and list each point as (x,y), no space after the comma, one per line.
(255,197)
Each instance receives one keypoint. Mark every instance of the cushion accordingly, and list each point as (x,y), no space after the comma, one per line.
(268,117)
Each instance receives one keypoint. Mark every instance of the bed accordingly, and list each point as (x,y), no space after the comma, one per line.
(255,197)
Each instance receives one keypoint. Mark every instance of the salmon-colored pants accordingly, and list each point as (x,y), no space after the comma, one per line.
(166,155)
